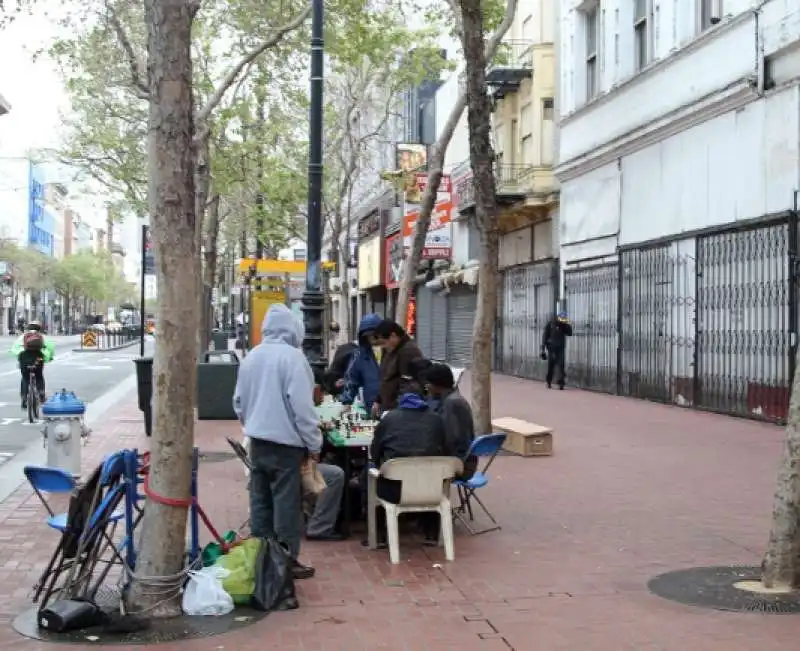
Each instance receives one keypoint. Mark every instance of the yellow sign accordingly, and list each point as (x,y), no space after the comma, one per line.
(259,305)
(89,339)
(266,267)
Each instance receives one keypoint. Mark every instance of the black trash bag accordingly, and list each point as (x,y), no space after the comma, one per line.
(274,580)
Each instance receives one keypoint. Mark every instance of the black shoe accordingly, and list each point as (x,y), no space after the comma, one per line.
(333,536)
(300,571)
(560,387)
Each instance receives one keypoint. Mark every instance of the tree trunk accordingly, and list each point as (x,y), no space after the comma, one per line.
(479,117)
(210,266)
(202,180)
(172,209)
(435,172)
(781,565)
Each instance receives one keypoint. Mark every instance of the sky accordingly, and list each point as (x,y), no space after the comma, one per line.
(37,98)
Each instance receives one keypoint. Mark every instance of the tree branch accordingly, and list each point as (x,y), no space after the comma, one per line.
(140,88)
(275,38)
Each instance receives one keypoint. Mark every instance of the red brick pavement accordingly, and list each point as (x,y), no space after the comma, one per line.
(633,490)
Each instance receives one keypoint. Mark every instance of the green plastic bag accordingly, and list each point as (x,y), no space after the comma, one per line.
(240,584)
(213,550)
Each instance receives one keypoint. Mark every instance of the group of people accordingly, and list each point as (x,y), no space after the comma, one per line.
(419,409)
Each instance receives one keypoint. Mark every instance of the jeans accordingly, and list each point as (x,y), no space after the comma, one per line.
(323,521)
(275,493)
(38,373)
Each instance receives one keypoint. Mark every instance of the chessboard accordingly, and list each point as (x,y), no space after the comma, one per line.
(355,429)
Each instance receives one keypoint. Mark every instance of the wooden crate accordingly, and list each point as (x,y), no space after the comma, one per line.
(524,438)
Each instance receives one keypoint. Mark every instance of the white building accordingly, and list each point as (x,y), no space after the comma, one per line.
(678,164)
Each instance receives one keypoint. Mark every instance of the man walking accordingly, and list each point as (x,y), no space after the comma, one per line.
(554,343)
(274,400)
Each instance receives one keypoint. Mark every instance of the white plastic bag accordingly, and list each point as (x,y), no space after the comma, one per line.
(204,594)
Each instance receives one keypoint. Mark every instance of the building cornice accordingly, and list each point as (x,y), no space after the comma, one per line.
(700,41)
(734,96)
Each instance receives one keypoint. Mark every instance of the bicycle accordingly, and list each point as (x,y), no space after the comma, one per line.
(33,395)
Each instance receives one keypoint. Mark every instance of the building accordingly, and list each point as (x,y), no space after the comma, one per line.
(78,235)
(678,161)
(521,80)
(55,199)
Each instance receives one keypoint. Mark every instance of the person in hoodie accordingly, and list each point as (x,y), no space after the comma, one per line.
(274,399)
(363,373)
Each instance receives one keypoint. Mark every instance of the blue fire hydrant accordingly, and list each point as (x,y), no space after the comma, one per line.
(64,431)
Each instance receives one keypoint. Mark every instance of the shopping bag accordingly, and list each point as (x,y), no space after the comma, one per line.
(240,583)
(311,478)
(204,594)
(213,550)
(274,589)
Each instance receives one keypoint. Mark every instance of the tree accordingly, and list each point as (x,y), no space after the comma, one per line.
(437,154)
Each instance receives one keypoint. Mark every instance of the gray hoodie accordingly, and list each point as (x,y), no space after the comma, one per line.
(274,395)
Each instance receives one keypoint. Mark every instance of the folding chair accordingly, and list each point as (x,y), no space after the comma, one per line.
(84,528)
(486,447)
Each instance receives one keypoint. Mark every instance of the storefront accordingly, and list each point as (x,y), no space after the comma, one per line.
(370,263)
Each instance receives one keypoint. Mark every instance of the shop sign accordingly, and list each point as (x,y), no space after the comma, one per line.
(393,255)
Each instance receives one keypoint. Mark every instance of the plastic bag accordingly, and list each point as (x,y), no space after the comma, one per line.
(311,478)
(274,589)
(240,562)
(213,550)
(204,594)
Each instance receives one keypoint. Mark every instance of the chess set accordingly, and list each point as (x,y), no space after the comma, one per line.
(354,425)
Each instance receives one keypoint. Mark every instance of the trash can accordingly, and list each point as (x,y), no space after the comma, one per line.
(220,340)
(144,387)
(216,382)
(64,430)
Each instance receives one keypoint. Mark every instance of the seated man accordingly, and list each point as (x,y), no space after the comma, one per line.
(456,413)
(412,429)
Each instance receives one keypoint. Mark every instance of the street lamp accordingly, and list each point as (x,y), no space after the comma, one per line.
(313,297)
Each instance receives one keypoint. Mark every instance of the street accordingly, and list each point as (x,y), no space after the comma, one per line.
(91,376)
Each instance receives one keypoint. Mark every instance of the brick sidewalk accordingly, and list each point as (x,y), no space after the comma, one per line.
(634,489)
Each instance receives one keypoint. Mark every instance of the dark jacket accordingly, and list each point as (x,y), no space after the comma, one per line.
(397,373)
(363,371)
(342,359)
(459,429)
(555,335)
(410,430)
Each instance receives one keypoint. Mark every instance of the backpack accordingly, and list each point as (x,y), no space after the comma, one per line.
(33,342)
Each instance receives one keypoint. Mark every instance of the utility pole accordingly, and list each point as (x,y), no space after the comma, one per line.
(313,297)
(261,98)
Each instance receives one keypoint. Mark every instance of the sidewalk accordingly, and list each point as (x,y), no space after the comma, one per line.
(634,489)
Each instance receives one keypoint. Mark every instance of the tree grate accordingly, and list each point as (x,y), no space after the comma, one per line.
(215,456)
(715,588)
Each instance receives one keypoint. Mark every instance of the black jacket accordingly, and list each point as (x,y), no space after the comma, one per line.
(555,334)
(341,361)
(397,373)
(411,430)
(459,429)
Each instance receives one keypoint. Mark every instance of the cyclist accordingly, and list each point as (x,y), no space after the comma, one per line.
(33,349)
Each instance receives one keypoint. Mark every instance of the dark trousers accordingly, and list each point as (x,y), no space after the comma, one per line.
(555,360)
(276,493)
(38,373)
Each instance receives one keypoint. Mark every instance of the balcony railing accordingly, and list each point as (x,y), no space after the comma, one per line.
(512,63)
(512,181)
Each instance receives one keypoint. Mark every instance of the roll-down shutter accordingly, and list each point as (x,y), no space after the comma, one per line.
(424,319)
(461,305)
(439,327)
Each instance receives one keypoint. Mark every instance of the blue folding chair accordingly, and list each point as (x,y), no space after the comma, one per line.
(487,447)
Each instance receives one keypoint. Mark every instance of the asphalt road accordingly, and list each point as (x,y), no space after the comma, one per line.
(91,376)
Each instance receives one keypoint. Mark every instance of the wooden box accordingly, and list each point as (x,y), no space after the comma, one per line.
(524,438)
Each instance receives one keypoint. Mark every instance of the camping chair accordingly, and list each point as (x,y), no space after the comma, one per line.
(86,529)
(487,447)
(425,488)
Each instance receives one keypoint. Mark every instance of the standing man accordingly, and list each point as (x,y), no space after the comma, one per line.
(274,400)
(554,344)
(398,374)
(362,373)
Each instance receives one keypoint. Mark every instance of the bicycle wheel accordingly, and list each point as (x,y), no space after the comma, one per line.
(33,405)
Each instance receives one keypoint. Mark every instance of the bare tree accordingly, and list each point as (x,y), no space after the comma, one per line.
(436,162)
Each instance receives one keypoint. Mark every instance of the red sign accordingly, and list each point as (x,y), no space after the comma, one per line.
(411,317)
(393,259)
(421,180)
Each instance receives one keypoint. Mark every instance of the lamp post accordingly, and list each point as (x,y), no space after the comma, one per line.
(313,297)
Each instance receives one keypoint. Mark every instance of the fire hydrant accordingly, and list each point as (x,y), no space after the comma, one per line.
(64,431)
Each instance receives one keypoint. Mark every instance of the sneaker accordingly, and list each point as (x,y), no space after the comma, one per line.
(300,571)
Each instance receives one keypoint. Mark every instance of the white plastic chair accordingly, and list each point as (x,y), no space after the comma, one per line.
(425,488)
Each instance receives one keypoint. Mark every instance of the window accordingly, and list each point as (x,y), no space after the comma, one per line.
(642,30)
(591,52)
(548,108)
(710,13)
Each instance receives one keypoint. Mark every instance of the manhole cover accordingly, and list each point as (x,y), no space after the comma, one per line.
(156,631)
(716,587)
(215,456)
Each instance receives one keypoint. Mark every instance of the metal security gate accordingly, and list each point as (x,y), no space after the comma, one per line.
(527,302)
(744,326)
(438,327)
(592,296)
(424,319)
(656,322)
(462,303)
